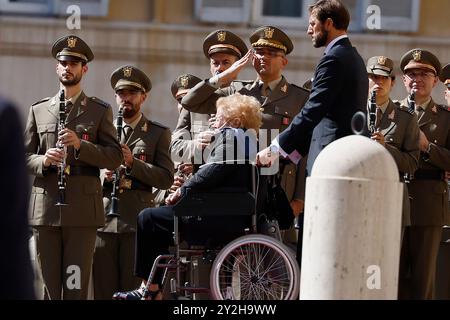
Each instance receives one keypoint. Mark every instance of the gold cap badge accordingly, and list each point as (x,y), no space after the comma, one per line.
(268,33)
(417,55)
(221,36)
(127,71)
(184,81)
(381,60)
(71,42)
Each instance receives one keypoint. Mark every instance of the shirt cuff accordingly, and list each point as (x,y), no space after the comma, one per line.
(294,156)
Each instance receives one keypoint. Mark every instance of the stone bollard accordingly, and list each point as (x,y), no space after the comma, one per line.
(352,228)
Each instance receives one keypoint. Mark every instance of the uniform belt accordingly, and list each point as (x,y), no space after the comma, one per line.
(78,171)
(428,175)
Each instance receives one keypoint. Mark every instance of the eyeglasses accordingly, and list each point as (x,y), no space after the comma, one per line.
(267,53)
(419,74)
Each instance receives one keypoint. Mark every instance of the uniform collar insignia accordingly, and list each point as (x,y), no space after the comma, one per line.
(284,88)
(434,109)
(391,116)
(144,128)
(84,102)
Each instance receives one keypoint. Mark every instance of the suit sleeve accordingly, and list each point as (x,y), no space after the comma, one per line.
(299,192)
(407,159)
(158,174)
(439,155)
(106,153)
(33,160)
(328,84)
(182,146)
(202,98)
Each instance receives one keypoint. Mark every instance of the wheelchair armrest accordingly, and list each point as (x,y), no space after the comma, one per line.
(217,202)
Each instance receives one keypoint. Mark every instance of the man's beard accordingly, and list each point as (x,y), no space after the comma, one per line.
(70,83)
(321,39)
(129,113)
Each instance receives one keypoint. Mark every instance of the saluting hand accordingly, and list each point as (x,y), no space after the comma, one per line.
(127,155)
(232,72)
(67,138)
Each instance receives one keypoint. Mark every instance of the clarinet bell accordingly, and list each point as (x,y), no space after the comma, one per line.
(114,209)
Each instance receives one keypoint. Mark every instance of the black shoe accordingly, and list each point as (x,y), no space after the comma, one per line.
(130,295)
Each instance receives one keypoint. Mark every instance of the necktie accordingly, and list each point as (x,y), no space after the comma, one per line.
(419,111)
(265,90)
(126,133)
(69,106)
(378,117)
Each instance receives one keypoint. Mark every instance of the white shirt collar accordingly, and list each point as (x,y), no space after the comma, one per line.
(331,44)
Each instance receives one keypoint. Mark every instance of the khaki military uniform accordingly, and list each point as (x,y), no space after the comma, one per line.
(65,236)
(279,108)
(152,168)
(429,206)
(401,135)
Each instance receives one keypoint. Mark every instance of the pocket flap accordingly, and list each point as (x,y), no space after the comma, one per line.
(47,127)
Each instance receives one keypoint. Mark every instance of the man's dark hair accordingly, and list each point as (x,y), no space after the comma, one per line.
(333,9)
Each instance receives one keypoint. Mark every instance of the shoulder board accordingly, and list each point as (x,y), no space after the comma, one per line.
(100,102)
(158,124)
(40,101)
(300,88)
(397,102)
(405,109)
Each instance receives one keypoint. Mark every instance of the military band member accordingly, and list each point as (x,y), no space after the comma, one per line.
(395,127)
(280,100)
(428,189)
(222,48)
(65,235)
(147,164)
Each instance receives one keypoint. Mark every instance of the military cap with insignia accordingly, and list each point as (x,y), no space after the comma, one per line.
(224,41)
(380,65)
(72,48)
(272,37)
(183,83)
(420,59)
(129,77)
(444,76)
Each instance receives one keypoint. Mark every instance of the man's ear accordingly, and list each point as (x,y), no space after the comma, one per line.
(85,68)
(328,24)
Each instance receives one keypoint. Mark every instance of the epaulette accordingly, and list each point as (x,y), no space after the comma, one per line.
(158,124)
(40,101)
(301,88)
(100,102)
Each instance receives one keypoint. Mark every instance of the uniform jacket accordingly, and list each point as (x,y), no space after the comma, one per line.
(339,90)
(91,119)
(401,135)
(152,167)
(189,125)
(429,206)
(279,108)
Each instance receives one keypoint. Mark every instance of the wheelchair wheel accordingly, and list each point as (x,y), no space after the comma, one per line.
(255,267)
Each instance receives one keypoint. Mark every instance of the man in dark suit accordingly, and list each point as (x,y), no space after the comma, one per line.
(339,90)
(15,267)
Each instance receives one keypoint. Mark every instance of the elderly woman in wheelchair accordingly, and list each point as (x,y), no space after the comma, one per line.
(225,180)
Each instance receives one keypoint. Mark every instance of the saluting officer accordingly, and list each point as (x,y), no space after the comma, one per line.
(65,235)
(222,48)
(147,165)
(396,126)
(280,100)
(428,189)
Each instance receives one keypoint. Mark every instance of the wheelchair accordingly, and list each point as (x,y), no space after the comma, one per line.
(242,263)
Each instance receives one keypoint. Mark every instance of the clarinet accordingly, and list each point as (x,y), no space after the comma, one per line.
(411,108)
(412,101)
(373,112)
(62,166)
(114,209)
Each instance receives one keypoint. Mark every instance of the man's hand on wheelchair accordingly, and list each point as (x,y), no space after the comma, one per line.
(173,197)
